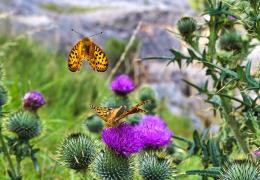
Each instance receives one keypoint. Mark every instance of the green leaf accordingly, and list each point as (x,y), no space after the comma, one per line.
(215,173)
(251,81)
(214,153)
(247,99)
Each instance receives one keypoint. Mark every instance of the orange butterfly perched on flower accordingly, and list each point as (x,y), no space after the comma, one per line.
(113,116)
(86,49)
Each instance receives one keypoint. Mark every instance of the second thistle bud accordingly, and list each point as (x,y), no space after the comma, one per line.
(154,167)
(109,165)
(24,124)
(146,93)
(94,124)
(77,151)
(186,26)
(231,41)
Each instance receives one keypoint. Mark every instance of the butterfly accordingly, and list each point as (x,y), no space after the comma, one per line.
(113,116)
(86,49)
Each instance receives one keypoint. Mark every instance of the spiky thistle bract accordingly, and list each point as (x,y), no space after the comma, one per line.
(109,165)
(241,170)
(77,151)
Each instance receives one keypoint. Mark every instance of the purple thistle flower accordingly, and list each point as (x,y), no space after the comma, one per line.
(33,100)
(124,139)
(256,153)
(232,18)
(154,131)
(122,84)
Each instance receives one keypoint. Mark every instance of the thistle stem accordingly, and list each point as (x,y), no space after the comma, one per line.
(234,125)
(6,153)
(212,38)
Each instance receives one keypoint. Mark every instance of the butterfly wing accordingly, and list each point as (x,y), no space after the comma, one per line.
(99,61)
(109,114)
(132,110)
(102,112)
(82,50)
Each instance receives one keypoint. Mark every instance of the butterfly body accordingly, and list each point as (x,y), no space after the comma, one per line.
(86,49)
(113,116)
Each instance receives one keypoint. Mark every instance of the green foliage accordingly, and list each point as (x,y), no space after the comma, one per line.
(109,165)
(211,172)
(3,95)
(241,170)
(77,151)
(24,124)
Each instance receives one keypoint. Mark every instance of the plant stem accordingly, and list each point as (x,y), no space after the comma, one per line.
(212,38)
(234,125)
(6,153)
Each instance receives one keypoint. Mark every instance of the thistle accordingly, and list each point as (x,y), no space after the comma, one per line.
(122,84)
(146,93)
(33,100)
(241,170)
(124,139)
(24,124)
(109,165)
(77,152)
(154,132)
(154,167)
(187,26)
(94,124)
(231,41)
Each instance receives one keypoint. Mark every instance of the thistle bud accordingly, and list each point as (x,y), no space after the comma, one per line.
(116,101)
(94,124)
(231,41)
(156,168)
(24,124)
(146,93)
(109,165)
(241,169)
(186,26)
(77,151)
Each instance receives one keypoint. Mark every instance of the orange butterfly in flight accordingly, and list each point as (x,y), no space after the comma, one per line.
(113,116)
(86,49)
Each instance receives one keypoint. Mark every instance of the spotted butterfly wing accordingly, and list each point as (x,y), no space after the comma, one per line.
(113,117)
(85,49)
(108,114)
(132,110)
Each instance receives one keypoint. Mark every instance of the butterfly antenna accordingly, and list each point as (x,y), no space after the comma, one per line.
(78,32)
(96,34)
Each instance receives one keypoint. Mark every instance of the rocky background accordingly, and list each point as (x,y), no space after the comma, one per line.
(50,22)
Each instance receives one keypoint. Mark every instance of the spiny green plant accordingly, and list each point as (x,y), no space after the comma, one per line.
(109,165)
(24,124)
(241,170)
(153,166)
(230,72)
(77,152)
